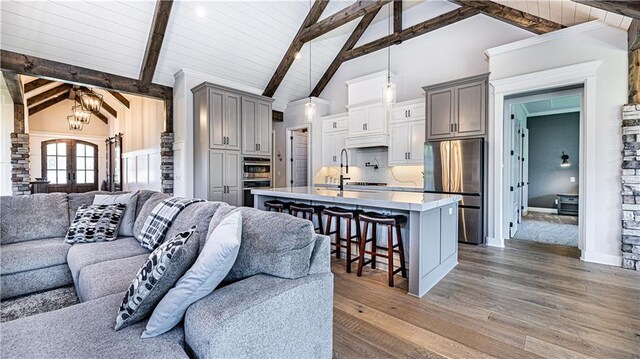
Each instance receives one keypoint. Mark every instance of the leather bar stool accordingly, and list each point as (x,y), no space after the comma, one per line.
(391,221)
(349,215)
(276,205)
(307,212)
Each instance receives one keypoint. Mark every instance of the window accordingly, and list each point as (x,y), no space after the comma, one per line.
(70,165)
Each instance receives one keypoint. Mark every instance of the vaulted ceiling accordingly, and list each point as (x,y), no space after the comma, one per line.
(241,41)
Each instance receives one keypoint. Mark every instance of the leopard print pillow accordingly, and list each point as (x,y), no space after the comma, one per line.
(162,270)
(95,223)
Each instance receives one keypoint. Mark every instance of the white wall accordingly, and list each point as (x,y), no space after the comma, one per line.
(455,51)
(6,127)
(599,43)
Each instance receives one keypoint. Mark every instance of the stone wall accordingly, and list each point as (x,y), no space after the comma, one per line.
(166,162)
(20,163)
(631,187)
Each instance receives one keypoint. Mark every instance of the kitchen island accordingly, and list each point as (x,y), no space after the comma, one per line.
(430,235)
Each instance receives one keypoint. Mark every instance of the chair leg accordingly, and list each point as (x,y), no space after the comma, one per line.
(338,238)
(328,225)
(348,236)
(320,222)
(374,244)
(390,254)
(363,244)
(403,268)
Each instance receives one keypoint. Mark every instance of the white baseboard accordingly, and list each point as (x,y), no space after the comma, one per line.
(601,258)
(495,242)
(542,210)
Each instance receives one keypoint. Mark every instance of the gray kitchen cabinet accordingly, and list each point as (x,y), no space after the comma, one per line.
(457,109)
(224,177)
(256,127)
(223,120)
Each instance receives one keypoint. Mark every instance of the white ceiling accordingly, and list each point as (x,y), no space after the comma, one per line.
(242,41)
(552,106)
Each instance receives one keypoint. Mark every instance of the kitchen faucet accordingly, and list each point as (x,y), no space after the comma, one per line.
(342,178)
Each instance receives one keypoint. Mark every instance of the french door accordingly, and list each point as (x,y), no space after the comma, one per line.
(70,166)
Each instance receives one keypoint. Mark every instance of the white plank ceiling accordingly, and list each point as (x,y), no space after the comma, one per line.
(242,41)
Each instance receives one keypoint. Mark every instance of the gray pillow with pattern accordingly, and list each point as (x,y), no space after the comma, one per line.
(162,270)
(95,223)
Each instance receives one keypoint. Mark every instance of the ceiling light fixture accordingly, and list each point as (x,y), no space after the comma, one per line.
(80,114)
(90,100)
(74,125)
(297,55)
(565,160)
(310,107)
(200,12)
(389,89)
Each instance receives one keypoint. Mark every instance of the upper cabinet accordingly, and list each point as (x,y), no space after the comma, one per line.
(368,119)
(407,134)
(224,120)
(256,127)
(457,109)
(334,133)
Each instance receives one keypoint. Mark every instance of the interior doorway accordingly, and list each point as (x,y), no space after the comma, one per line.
(70,166)
(298,156)
(542,141)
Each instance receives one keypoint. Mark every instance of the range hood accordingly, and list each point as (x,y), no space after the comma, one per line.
(380,140)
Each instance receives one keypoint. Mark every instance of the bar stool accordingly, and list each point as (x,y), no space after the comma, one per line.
(307,212)
(276,205)
(349,215)
(390,221)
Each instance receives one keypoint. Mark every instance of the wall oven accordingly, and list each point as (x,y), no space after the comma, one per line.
(256,173)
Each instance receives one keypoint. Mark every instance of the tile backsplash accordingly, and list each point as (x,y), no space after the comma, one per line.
(410,176)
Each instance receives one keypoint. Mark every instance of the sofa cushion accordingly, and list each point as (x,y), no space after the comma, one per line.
(85,330)
(95,223)
(129,216)
(78,199)
(145,211)
(161,271)
(197,214)
(272,243)
(143,197)
(32,281)
(36,254)
(35,216)
(84,254)
(105,278)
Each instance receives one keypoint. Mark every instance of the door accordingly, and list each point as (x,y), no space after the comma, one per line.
(515,167)
(70,166)
(217,189)
(375,121)
(357,119)
(440,113)
(525,171)
(416,149)
(470,109)
(231,122)
(216,119)
(249,130)
(299,143)
(436,166)
(263,128)
(231,173)
(398,145)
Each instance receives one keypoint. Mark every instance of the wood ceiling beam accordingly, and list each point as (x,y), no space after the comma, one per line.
(50,102)
(397,16)
(14,86)
(35,84)
(48,94)
(39,67)
(435,23)
(296,44)
(630,8)
(154,42)
(521,19)
(105,105)
(123,100)
(95,113)
(348,45)
(360,8)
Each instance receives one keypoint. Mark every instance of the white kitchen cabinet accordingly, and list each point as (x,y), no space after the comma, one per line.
(224,177)
(335,123)
(367,120)
(406,143)
(332,145)
(408,111)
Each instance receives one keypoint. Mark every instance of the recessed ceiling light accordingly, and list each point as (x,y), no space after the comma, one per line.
(297,55)
(200,12)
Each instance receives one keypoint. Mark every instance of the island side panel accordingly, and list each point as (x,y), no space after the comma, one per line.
(434,243)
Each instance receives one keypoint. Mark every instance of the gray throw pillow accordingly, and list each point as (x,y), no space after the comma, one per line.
(129,217)
(95,223)
(164,267)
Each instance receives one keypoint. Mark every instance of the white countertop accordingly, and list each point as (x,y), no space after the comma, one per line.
(408,201)
(374,188)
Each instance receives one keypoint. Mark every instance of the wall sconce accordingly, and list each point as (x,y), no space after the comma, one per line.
(565,160)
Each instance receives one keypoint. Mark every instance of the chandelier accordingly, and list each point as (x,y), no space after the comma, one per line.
(90,100)
(74,124)
(80,114)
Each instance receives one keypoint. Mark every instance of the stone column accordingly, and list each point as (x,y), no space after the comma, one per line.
(166,162)
(631,187)
(20,163)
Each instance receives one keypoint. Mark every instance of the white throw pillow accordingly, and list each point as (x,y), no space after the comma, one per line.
(212,266)
(129,217)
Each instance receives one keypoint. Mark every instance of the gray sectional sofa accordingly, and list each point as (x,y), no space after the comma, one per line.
(276,302)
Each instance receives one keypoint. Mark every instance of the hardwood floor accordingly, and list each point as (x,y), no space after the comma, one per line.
(528,300)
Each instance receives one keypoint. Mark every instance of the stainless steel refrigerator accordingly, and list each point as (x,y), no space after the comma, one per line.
(457,167)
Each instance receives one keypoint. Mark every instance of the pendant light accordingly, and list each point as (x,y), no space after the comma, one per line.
(80,114)
(309,107)
(389,88)
(90,100)
(74,124)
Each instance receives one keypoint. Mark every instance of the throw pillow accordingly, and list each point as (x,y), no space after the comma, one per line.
(165,265)
(129,217)
(214,262)
(95,223)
